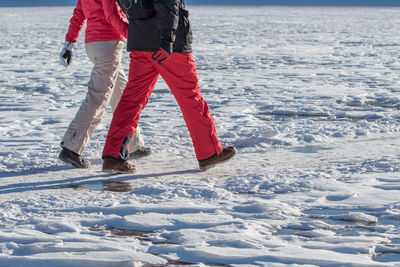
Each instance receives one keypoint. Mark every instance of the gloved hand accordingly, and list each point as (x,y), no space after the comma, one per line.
(164,52)
(66,54)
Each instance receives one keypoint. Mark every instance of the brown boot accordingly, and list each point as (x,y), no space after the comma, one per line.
(226,154)
(114,166)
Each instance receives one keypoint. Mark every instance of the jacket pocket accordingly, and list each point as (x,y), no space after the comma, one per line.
(184,32)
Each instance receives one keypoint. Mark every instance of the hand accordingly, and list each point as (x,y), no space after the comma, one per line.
(66,54)
(160,56)
(164,52)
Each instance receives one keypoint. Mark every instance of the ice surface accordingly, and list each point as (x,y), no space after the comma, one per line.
(309,96)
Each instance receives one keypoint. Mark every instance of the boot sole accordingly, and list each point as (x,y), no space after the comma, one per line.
(115,171)
(219,162)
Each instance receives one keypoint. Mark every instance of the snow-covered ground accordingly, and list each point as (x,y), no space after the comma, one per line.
(309,96)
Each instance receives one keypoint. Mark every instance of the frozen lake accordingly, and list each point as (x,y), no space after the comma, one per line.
(309,96)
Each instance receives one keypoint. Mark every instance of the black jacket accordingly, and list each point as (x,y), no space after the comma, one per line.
(153,20)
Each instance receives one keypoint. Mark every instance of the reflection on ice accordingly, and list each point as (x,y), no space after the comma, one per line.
(111,186)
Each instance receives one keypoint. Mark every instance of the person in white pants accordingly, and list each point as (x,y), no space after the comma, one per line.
(106,84)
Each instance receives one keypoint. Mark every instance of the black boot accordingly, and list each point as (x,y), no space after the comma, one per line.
(73,158)
(140,153)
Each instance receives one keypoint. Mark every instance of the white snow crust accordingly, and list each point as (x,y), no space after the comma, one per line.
(309,96)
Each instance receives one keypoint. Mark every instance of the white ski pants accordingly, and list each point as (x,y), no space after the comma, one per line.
(106,84)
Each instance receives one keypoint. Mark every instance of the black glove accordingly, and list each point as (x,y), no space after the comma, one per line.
(66,54)
(164,52)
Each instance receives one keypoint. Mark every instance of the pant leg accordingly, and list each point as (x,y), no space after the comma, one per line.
(120,84)
(106,57)
(142,80)
(180,73)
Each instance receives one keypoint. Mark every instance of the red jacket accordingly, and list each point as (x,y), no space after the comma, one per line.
(105,21)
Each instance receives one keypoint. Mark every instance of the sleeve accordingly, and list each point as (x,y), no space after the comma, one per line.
(76,23)
(168,18)
(115,16)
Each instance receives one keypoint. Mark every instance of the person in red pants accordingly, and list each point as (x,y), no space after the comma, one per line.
(159,41)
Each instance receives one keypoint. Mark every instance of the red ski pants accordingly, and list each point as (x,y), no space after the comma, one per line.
(180,74)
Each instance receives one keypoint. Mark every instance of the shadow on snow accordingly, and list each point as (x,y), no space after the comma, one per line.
(109,183)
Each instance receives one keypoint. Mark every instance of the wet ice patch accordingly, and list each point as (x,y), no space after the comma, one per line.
(310,149)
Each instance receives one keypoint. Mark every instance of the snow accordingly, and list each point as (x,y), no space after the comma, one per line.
(309,96)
